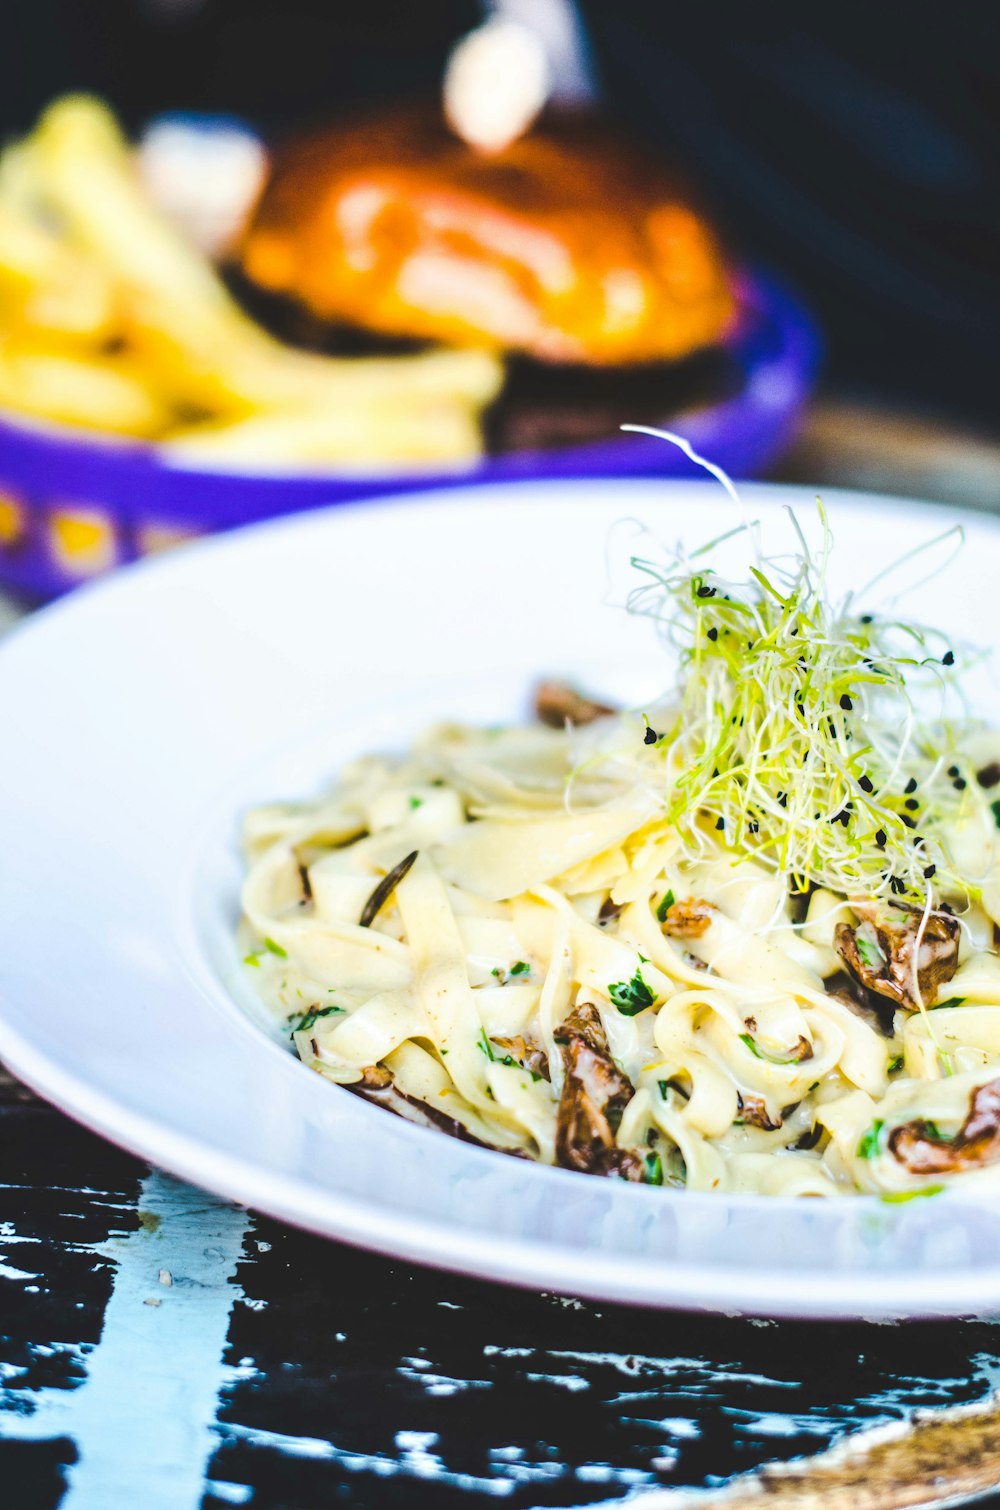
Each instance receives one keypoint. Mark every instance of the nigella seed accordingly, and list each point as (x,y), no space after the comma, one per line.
(948,659)
(866,784)
(910,822)
(960,783)
(650,737)
(720,822)
(953,770)
(911,785)
(866,618)
(881,838)
(706,592)
(713,634)
(912,804)
(753,827)
(929,871)
(846,704)
(782,800)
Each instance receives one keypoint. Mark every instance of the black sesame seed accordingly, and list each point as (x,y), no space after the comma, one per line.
(753,826)
(953,770)
(866,784)
(960,783)
(706,592)
(846,704)
(866,618)
(911,785)
(720,822)
(713,634)
(930,870)
(782,800)
(948,659)
(650,737)
(910,822)
(912,804)
(881,838)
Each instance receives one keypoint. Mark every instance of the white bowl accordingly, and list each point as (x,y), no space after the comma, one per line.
(142,716)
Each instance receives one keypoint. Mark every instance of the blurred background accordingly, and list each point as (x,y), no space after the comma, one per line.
(848,152)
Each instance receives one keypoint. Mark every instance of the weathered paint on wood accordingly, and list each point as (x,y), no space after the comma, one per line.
(163,1349)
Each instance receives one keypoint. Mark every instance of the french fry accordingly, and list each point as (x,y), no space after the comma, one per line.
(182,316)
(110,320)
(361,439)
(91,392)
(211,364)
(49,286)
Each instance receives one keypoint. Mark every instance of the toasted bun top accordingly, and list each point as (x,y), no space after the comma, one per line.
(570,245)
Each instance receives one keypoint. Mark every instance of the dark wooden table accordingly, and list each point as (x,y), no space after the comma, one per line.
(164,1350)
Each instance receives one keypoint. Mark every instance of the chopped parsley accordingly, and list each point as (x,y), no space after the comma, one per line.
(654,1169)
(953,1001)
(897,1197)
(995,810)
(416,802)
(868,951)
(252,959)
(313,1015)
(665,905)
(759,1053)
(871,1144)
(895,1064)
(485,1047)
(632,997)
(521,968)
(273,948)
(515,1064)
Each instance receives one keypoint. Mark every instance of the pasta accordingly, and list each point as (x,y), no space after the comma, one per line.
(553,941)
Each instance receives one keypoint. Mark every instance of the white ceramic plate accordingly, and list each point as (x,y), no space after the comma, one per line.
(141,716)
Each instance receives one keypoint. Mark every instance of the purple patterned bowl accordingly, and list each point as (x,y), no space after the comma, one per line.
(73,506)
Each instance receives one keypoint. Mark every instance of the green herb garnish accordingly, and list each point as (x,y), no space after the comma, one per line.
(868,951)
(767,1058)
(871,1144)
(485,1047)
(665,905)
(416,802)
(798,734)
(995,810)
(654,1169)
(521,968)
(273,948)
(313,1015)
(897,1197)
(631,997)
(252,959)
(953,1001)
(895,1063)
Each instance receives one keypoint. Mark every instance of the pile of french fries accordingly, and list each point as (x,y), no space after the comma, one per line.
(112,321)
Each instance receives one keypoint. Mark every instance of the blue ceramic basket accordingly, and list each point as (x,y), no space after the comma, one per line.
(72,506)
